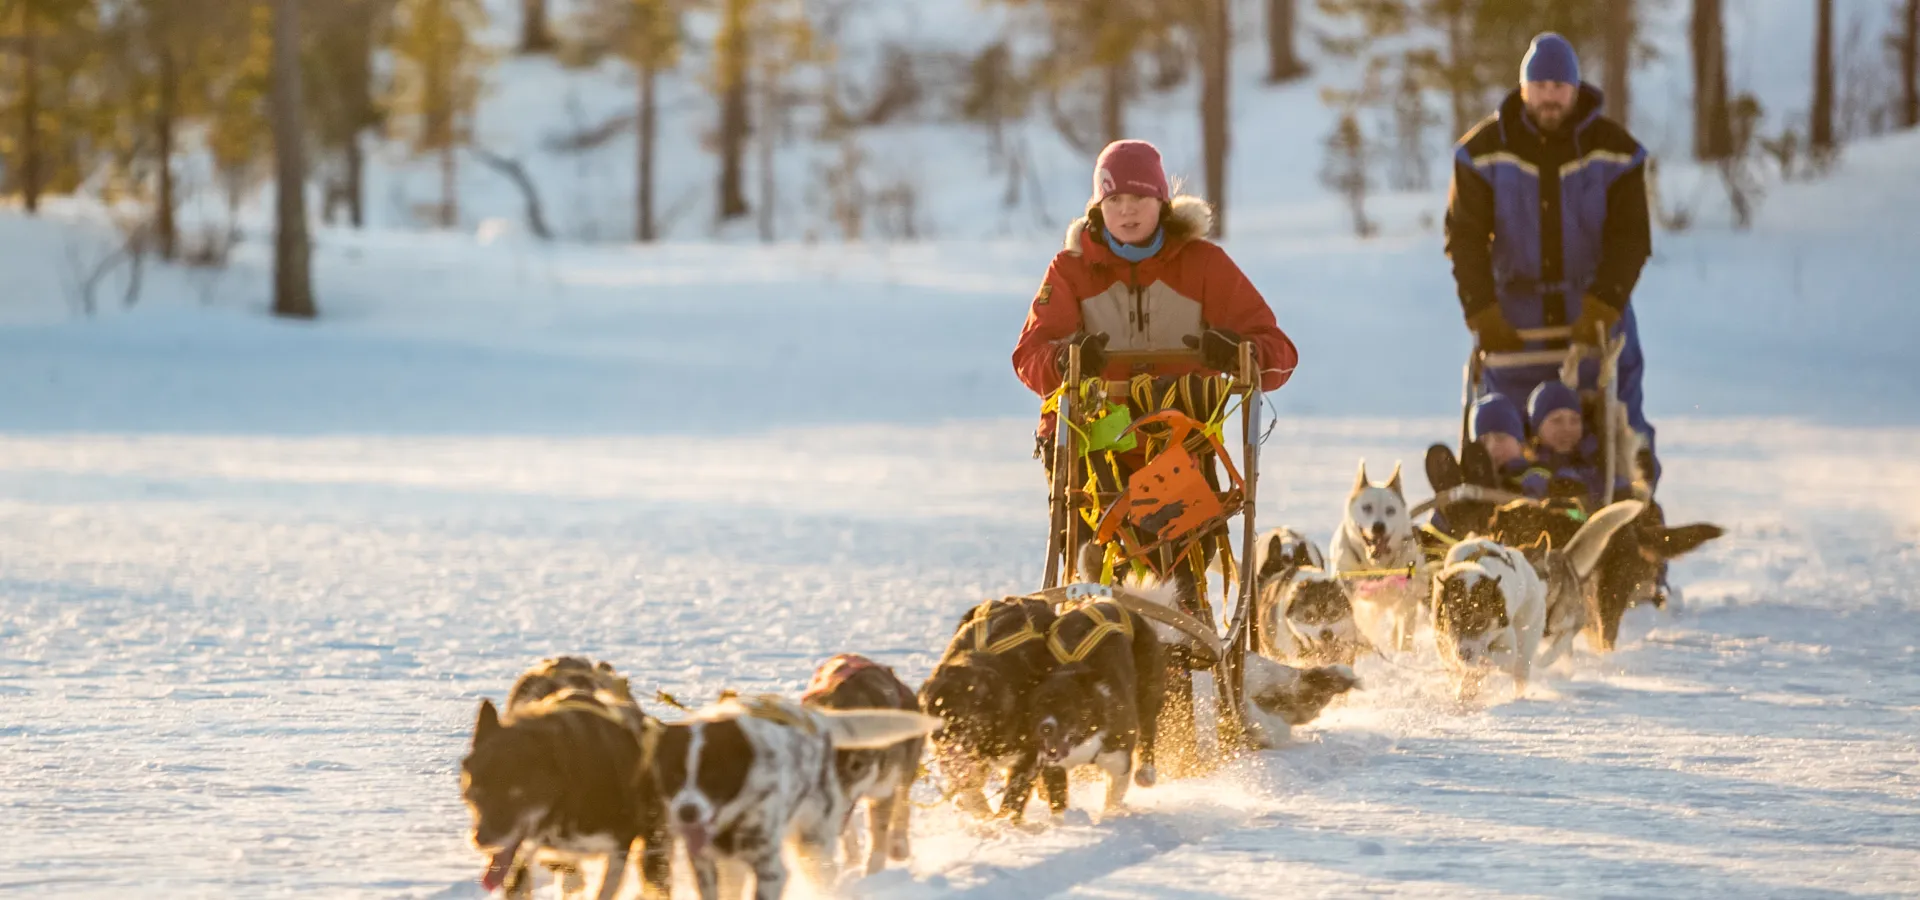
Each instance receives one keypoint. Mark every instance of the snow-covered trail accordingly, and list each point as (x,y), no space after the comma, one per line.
(245,666)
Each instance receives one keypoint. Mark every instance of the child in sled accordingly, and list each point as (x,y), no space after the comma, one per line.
(1562,459)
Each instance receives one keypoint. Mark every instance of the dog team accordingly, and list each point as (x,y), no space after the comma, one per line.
(572,768)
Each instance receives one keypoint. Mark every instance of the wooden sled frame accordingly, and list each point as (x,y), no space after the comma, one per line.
(1067,498)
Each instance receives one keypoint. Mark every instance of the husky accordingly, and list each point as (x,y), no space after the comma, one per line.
(1376,553)
(1489,612)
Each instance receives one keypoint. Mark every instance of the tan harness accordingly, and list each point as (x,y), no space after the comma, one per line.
(1108,620)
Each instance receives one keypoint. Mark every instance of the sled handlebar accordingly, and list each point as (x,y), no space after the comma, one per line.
(1522,358)
(1154,357)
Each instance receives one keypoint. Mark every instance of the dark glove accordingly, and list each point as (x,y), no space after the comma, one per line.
(1595,316)
(1219,349)
(1093,354)
(1495,334)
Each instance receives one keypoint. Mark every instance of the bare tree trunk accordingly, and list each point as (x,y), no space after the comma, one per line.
(356,183)
(1822,115)
(1216,50)
(1283,62)
(449,188)
(165,232)
(649,128)
(536,36)
(1619,58)
(768,97)
(30,178)
(1459,88)
(1712,126)
(1113,100)
(1910,68)
(732,48)
(292,282)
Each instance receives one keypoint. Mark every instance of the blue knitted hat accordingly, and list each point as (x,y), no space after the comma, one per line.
(1495,414)
(1550,58)
(1550,396)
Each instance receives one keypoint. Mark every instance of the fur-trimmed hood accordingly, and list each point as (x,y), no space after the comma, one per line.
(1190,218)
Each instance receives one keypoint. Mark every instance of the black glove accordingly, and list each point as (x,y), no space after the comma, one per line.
(1093,354)
(1219,349)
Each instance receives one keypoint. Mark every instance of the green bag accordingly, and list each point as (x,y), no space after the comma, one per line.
(1105,432)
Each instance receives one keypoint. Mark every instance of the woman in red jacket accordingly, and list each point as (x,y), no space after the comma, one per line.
(1138,274)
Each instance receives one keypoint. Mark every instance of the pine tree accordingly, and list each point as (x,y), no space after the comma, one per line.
(1215,38)
(44,46)
(343,93)
(536,35)
(653,46)
(438,83)
(1345,169)
(1910,65)
(240,132)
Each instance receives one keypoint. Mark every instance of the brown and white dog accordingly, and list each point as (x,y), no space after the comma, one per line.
(981,688)
(564,776)
(1629,570)
(744,777)
(1100,705)
(882,778)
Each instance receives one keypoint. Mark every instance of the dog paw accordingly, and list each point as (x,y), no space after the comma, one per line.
(1145,776)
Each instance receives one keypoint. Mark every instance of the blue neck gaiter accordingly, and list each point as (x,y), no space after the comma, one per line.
(1136,252)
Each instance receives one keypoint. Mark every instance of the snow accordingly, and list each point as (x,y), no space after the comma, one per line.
(257,575)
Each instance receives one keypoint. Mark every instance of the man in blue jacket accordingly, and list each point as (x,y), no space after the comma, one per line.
(1547,226)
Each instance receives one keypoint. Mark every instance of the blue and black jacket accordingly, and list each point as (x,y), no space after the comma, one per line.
(1536,222)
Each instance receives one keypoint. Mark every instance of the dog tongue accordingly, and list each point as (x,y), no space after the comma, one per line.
(498,867)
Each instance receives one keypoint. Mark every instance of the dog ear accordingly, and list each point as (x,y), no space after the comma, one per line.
(487,724)
(1302,557)
(1673,543)
(1393,484)
(1360,478)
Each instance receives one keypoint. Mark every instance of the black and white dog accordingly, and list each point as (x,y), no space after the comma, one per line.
(981,688)
(882,778)
(1306,614)
(1099,706)
(744,777)
(563,776)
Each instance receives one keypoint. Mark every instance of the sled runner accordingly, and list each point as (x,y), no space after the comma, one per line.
(1144,498)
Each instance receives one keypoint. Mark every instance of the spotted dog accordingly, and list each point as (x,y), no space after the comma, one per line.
(1489,612)
(746,776)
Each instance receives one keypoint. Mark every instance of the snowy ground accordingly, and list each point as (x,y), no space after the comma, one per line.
(257,575)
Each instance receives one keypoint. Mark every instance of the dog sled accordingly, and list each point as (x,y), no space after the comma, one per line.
(1611,414)
(1165,513)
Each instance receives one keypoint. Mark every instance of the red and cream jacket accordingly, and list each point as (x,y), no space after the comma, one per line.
(1189,286)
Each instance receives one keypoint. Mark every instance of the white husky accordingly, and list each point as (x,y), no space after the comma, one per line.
(1376,553)
(1489,612)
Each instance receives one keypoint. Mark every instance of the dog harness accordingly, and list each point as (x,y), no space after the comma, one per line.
(650,728)
(982,632)
(1108,619)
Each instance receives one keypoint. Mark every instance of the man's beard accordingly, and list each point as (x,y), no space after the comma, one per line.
(1550,118)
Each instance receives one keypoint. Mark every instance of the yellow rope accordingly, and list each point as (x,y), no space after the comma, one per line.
(1026,634)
